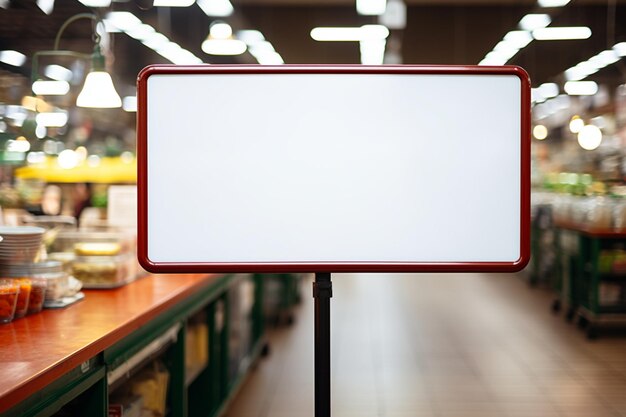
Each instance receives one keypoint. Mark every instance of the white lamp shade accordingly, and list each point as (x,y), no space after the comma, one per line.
(98,92)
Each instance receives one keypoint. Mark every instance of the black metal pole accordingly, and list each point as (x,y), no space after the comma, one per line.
(322,292)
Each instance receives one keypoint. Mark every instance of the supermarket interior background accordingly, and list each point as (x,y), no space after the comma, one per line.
(84,330)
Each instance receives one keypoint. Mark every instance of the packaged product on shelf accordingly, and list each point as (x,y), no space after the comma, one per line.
(151,384)
(599,213)
(196,344)
(609,294)
(619,213)
(57,280)
(8,299)
(125,405)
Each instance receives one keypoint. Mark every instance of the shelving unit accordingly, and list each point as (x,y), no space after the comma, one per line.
(112,334)
(587,278)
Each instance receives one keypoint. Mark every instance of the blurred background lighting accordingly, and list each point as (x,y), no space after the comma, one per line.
(67,159)
(552,3)
(371,7)
(581,88)
(590,137)
(217,8)
(576,124)
(540,132)
(52,119)
(58,73)
(13,58)
(561,33)
(51,88)
(534,21)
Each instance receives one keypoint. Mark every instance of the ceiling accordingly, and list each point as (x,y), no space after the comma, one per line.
(437,32)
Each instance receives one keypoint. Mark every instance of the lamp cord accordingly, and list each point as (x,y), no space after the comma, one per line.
(94,18)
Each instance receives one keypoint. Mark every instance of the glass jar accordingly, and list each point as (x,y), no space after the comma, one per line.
(25,285)
(8,299)
(37,295)
(56,279)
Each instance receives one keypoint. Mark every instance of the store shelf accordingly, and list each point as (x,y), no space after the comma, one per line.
(108,337)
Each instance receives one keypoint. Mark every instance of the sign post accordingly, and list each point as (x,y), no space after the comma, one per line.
(333,169)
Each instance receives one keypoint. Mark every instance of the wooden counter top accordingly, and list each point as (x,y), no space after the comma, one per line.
(38,349)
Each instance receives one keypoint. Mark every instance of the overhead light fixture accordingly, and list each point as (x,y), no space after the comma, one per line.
(217,8)
(534,21)
(549,90)
(552,3)
(98,90)
(350,34)
(590,137)
(372,51)
(604,58)
(576,124)
(141,32)
(51,119)
(506,49)
(58,72)
(173,3)
(124,21)
(250,36)
(50,88)
(270,58)
(221,42)
(46,6)
(96,3)
(395,15)
(494,58)
(518,38)
(371,7)
(540,132)
(155,41)
(129,103)
(11,57)
(177,55)
(581,88)
(562,33)
(620,48)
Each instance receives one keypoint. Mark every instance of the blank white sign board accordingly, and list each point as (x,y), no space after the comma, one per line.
(337,169)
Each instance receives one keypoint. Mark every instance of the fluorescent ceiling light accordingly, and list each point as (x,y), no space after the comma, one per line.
(506,49)
(141,32)
(371,7)
(581,88)
(534,21)
(96,3)
(395,15)
(269,58)
(57,72)
(156,41)
(173,3)
(11,57)
(263,47)
(223,47)
(46,6)
(562,33)
(124,21)
(604,58)
(372,51)
(219,8)
(129,103)
(51,88)
(177,55)
(552,3)
(250,36)
(221,30)
(518,38)
(493,58)
(620,48)
(347,34)
(549,90)
(51,119)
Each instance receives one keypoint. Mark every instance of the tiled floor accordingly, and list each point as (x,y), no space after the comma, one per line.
(442,346)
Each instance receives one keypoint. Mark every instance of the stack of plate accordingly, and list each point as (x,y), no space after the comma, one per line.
(19,244)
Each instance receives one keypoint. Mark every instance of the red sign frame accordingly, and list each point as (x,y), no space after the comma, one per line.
(142,167)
